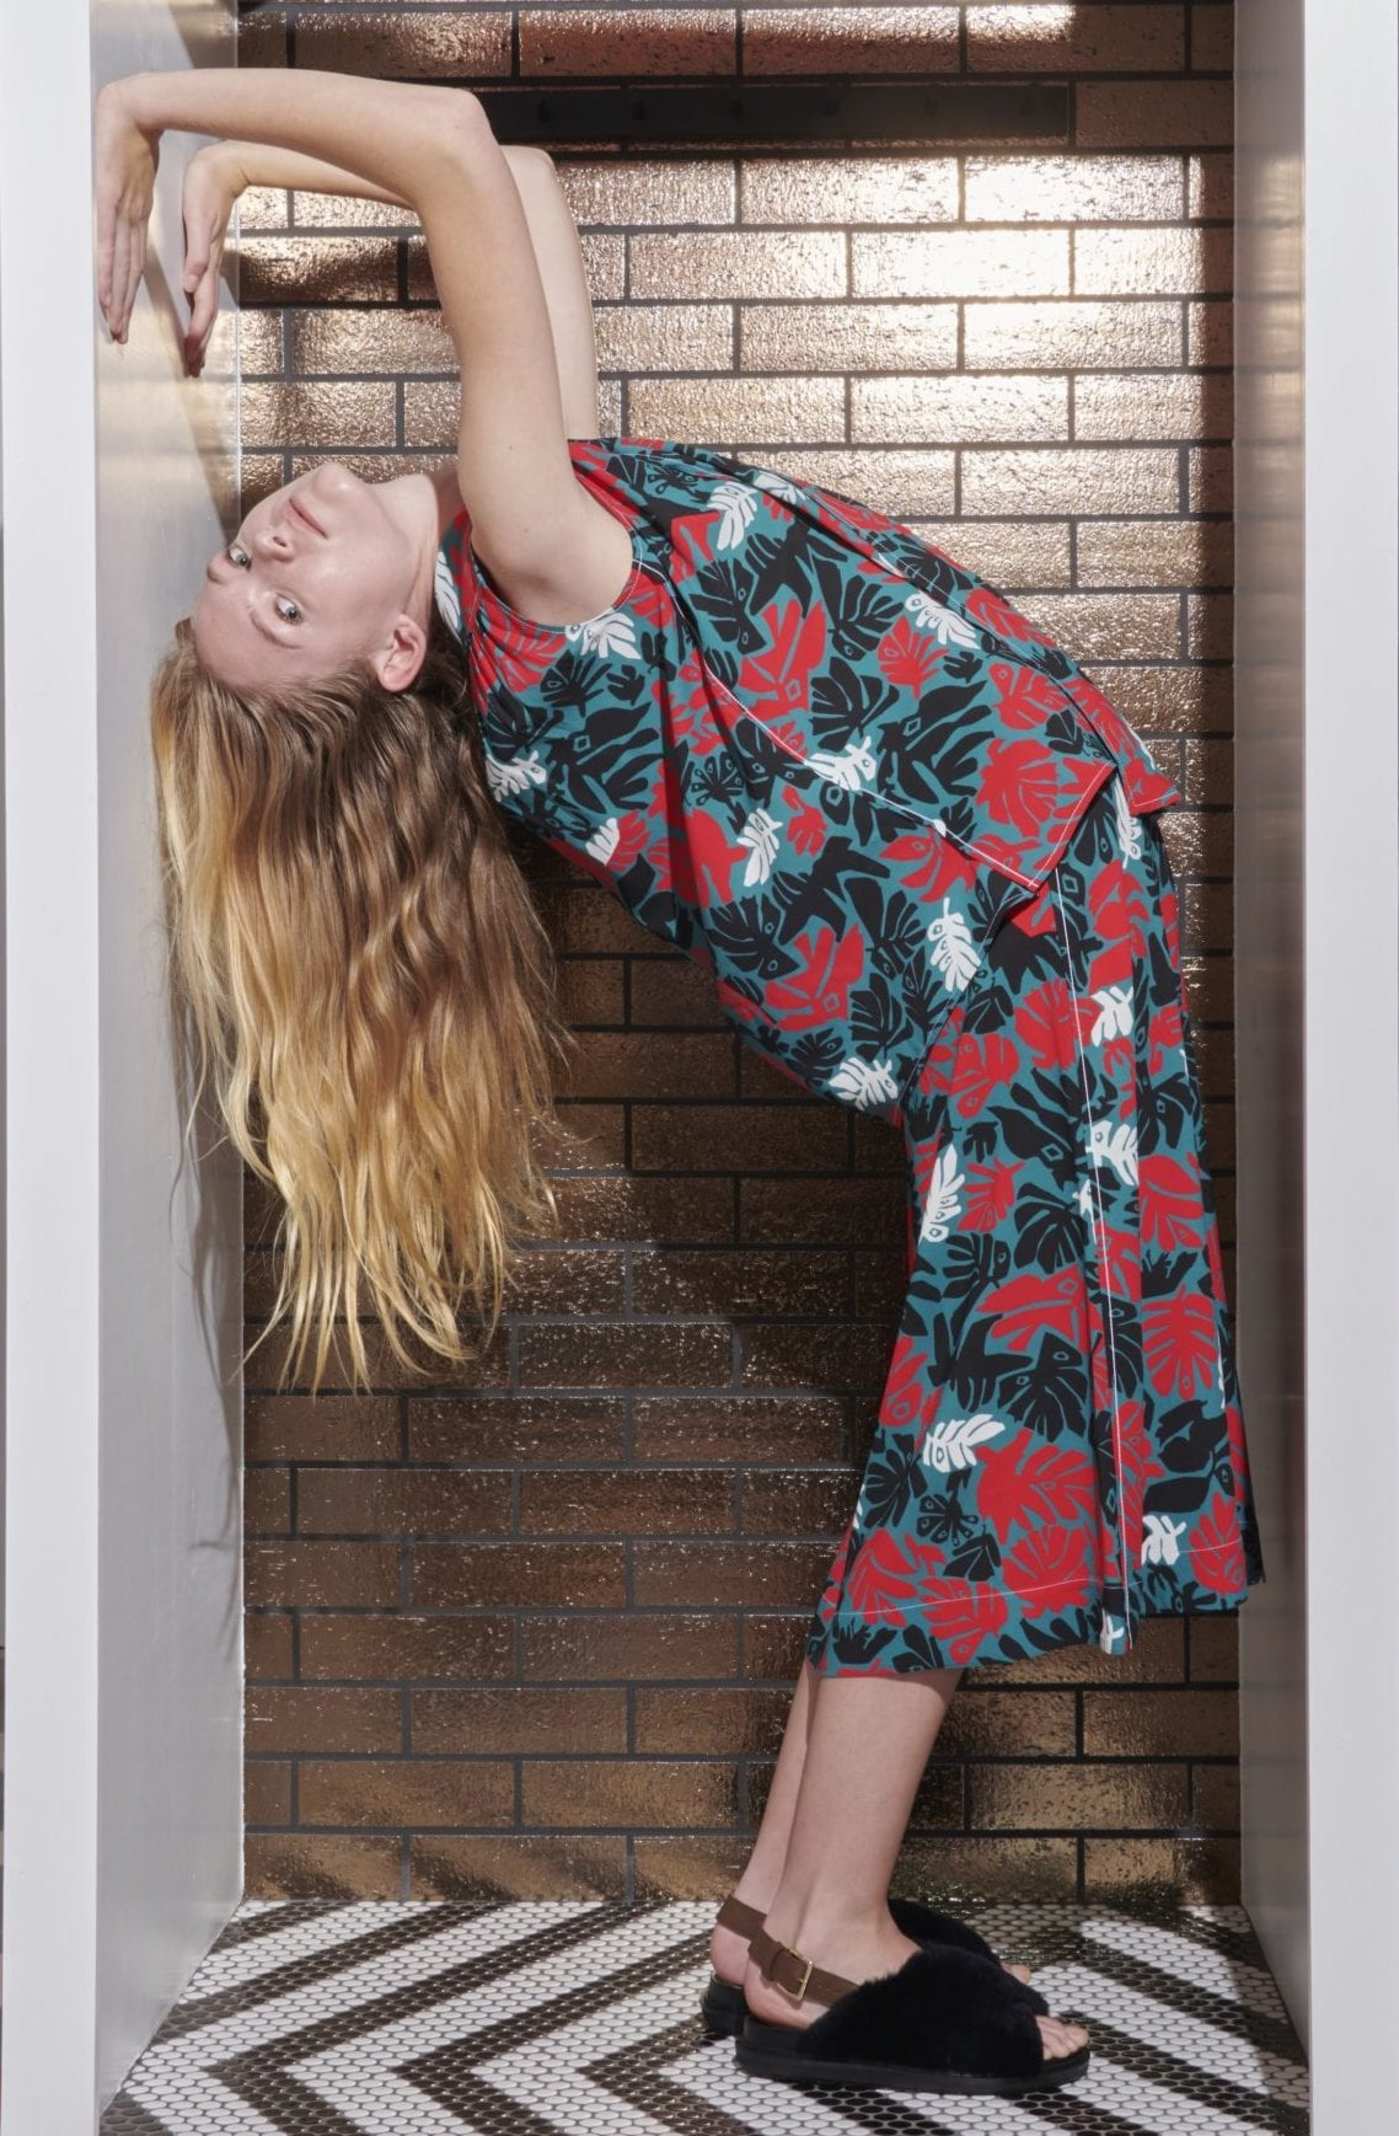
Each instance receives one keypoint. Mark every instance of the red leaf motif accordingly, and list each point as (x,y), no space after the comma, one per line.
(1170,1202)
(990,1195)
(908,657)
(887,1573)
(1024,1483)
(1049,1570)
(996,613)
(1030,1303)
(983,1066)
(1216,1550)
(1025,697)
(906,1388)
(1178,1344)
(777,680)
(1024,784)
(820,993)
(961,1616)
(806,826)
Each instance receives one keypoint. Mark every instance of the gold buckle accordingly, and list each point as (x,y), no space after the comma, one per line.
(810,1968)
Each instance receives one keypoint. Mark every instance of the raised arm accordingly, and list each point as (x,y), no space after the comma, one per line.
(537,528)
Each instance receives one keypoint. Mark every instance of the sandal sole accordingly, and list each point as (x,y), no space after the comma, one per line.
(762,2050)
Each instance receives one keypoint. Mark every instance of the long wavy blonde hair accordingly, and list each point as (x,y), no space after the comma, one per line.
(364,970)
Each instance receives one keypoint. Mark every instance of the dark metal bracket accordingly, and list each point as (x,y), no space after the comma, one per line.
(746,113)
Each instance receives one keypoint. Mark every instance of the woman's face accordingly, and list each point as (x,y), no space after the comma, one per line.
(325,569)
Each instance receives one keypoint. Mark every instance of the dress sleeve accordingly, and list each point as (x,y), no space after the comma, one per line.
(456,584)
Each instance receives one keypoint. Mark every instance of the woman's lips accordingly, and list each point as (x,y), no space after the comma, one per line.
(302,513)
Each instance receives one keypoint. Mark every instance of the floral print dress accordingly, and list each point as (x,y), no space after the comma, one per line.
(918,851)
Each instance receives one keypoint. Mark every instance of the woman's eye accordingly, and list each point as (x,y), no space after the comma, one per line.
(282,607)
(241,553)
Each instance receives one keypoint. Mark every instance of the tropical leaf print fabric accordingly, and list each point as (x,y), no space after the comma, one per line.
(916,848)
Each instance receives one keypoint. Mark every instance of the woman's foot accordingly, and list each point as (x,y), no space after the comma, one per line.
(861,1951)
(728,1949)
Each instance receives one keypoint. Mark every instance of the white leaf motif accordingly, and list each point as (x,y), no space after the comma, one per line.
(864,1083)
(944,1202)
(611,632)
(1160,1543)
(762,835)
(953,1443)
(448,592)
(1115,1014)
(1117,1146)
(737,506)
(953,952)
(1128,826)
(511,775)
(604,842)
(767,478)
(947,628)
(854,764)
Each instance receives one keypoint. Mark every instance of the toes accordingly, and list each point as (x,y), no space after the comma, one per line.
(1021,1972)
(1061,2039)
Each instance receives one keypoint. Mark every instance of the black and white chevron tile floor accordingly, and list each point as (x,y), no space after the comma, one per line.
(528,2018)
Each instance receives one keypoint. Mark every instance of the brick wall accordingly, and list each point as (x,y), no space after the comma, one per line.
(536,1633)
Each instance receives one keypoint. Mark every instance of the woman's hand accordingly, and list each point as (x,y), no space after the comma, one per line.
(214,180)
(125,157)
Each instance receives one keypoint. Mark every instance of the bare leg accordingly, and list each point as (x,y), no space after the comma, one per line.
(831,1901)
(728,1949)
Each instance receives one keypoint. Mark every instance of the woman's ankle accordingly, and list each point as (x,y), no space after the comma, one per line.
(805,1920)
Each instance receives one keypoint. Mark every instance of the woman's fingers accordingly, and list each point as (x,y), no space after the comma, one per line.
(121,250)
(203,310)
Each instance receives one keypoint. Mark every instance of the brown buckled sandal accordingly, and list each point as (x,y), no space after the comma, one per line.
(944,2021)
(722,2005)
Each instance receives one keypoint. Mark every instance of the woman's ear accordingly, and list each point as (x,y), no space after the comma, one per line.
(398,662)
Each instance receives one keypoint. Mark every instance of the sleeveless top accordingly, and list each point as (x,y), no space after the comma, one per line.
(794,705)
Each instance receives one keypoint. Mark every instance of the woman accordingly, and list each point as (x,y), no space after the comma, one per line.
(919,853)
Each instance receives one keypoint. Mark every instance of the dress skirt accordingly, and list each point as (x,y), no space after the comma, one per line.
(1059,1449)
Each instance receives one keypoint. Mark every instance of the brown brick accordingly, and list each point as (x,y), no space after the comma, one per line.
(1082,479)
(339,211)
(420,1792)
(738,263)
(1209,626)
(1133,626)
(666,337)
(317,270)
(519,1575)
(332,414)
(1214,1797)
(1154,552)
(592,990)
(734,1427)
(851,40)
(406,1647)
(1009,1724)
(553,1279)
(449,43)
(906,188)
(823,1212)
(738,1285)
(262,39)
(519,1720)
(1156,1656)
(736,1138)
(1210,184)
(321,1575)
(267,1791)
(384,341)
(320,1428)
(628,1791)
(320,1865)
(748,411)
(959,410)
(683,1065)
(680,1575)
(602,1354)
(1214,1647)
(1212,38)
(960,263)
(1174,1724)
(780,1354)
(515,1429)
(260,338)
(842,337)
(632,1644)
(715,1720)
(298,1719)
(785,1502)
(647,190)
(1041,337)
(403,1501)
(532,1865)
(1072,1797)
(1088,38)
(655,1501)
(1193,404)
(1179,1872)
(1153,263)
(266,1502)
(267,1644)
(1035,188)
(1209,333)
(1156,114)
(687,1210)
(634,40)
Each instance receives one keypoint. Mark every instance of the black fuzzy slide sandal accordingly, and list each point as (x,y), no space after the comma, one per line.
(722,2005)
(943,2022)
